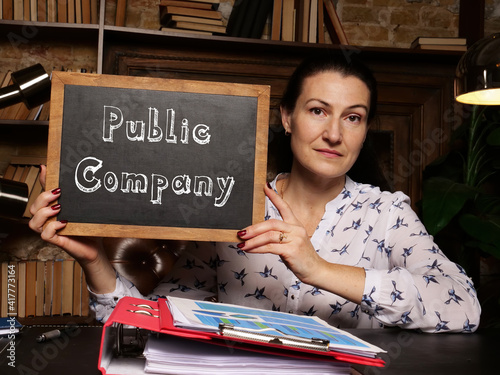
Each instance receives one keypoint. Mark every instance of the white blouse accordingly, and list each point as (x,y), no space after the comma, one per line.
(409,281)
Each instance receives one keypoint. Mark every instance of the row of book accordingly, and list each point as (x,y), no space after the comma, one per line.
(199,17)
(289,20)
(440,43)
(26,170)
(43,288)
(65,11)
(286,20)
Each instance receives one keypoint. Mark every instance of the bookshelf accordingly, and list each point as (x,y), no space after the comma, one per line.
(416,85)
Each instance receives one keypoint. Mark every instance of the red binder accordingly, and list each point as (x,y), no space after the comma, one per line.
(156,317)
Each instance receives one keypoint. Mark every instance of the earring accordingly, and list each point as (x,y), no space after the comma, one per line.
(287,133)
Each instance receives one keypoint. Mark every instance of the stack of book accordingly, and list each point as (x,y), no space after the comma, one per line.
(189,16)
(66,11)
(43,288)
(25,169)
(290,20)
(440,43)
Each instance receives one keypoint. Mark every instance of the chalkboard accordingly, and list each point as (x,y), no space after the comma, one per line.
(157,158)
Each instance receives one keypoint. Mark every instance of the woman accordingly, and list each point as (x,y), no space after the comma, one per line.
(346,252)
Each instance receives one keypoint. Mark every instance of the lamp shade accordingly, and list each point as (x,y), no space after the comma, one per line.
(13,198)
(30,85)
(478,73)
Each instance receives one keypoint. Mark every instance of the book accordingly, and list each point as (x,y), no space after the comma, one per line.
(94,11)
(249,19)
(57,271)
(261,17)
(42,10)
(85,11)
(30,288)
(443,47)
(52,10)
(71,11)
(187,4)
(288,21)
(62,11)
(321,22)
(313,22)
(207,21)
(181,31)
(47,308)
(21,290)
(77,289)
(85,297)
(40,288)
(7,9)
(276,20)
(121,12)
(18,10)
(33,10)
(168,10)
(9,325)
(438,41)
(67,287)
(78,11)
(237,17)
(4,273)
(333,24)
(198,26)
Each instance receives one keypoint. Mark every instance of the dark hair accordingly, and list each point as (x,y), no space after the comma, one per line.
(347,66)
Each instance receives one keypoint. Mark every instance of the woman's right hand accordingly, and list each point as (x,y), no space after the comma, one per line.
(82,249)
(101,277)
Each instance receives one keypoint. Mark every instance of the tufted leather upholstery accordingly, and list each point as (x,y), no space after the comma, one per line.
(144,262)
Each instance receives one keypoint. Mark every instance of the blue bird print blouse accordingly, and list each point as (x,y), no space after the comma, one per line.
(409,281)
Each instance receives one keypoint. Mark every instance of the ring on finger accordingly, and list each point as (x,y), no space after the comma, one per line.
(282,237)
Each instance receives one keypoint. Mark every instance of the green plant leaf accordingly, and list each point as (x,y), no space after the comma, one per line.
(442,200)
(487,248)
(494,138)
(485,230)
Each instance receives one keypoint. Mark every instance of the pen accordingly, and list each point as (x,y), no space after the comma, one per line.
(50,335)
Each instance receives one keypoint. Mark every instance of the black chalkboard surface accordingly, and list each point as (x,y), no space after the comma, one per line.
(157,158)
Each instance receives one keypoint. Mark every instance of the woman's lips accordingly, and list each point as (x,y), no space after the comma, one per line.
(329,153)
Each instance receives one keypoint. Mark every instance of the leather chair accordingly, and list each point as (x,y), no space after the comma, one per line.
(144,262)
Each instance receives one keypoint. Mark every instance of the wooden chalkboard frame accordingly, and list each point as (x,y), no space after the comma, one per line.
(262,94)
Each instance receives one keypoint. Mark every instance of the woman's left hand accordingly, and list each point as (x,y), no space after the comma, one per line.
(287,238)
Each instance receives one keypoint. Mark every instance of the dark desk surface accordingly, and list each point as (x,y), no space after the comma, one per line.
(407,352)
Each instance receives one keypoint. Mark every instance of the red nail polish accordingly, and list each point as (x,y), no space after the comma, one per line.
(63,221)
(269,185)
(56,191)
(241,245)
(55,207)
(241,233)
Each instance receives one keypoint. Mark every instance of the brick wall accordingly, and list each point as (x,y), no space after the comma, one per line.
(396,23)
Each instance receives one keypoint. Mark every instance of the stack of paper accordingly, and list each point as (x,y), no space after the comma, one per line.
(174,355)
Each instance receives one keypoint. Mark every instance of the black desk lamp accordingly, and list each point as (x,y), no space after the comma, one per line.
(31,86)
(478,73)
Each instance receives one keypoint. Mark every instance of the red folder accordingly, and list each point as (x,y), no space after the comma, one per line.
(156,317)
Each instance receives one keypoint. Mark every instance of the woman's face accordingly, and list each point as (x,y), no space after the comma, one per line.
(329,123)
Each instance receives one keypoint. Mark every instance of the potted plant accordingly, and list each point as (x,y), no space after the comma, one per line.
(461,199)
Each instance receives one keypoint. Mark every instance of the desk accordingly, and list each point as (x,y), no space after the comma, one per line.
(408,353)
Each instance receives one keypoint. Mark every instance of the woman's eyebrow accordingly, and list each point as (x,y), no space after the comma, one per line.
(354,106)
